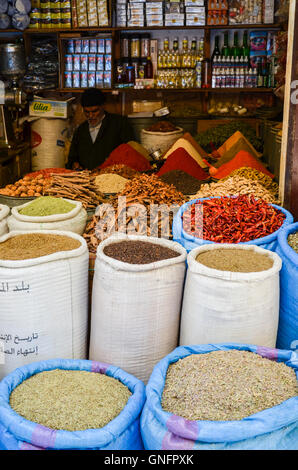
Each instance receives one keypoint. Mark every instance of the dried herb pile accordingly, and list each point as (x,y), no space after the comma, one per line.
(226,385)
(232,219)
(139,252)
(34,245)
(235,260)
(183,182)
(143,190)
(72,400)
(293,241)
(47,205)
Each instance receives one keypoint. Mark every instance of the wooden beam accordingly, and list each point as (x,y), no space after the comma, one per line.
(288,177)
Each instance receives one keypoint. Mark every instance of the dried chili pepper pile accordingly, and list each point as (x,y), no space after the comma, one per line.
(232,219)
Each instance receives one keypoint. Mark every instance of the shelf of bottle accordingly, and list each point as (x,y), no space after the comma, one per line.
(116,91)
(144,28)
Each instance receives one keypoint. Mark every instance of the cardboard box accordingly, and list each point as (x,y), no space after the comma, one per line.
(41,107)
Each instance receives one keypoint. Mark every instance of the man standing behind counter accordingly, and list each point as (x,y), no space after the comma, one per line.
(102,132)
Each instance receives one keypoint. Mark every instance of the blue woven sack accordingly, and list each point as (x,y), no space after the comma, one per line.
(122,433)
(273,429)
(287,334)
(190,242)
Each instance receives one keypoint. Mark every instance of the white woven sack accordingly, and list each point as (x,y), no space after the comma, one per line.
(4,212)
(73,221)
(162,141)
(135,310)
(223,306)
(44,306)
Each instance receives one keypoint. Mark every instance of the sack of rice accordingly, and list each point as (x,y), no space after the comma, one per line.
(44,297)
(70,404)
(222,397)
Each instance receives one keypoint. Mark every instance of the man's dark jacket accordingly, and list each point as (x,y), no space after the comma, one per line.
(115,130)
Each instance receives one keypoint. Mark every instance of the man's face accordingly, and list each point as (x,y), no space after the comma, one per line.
(94,114)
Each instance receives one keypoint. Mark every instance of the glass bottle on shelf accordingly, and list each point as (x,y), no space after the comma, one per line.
(166,53)
(148,68)
(245,47)
(185,53)
(160,60)
(193,53)
(226,51)
(236,50)
(216,50)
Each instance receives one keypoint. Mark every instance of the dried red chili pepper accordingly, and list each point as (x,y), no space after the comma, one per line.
(233,219)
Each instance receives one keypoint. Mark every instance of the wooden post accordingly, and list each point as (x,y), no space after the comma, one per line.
(288,177)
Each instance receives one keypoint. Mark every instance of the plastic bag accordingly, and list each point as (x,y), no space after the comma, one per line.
(122,433)
(287,335)
(273,429)
(20,21)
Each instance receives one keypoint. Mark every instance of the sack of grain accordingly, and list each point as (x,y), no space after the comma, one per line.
(274,428)
(44,297)
(121,433)
(287,335)
(74,221)
(221,305)
(153,140)
(190,242)
(135,309)
(4,212)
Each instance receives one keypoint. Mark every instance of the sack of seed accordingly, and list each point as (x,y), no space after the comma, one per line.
(231,293)
(222,397)
(44,297)
(64,404)
(4,212)
(136,301)
(287,335)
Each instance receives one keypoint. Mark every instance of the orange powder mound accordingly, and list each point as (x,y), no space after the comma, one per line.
(124,154)
(242,158)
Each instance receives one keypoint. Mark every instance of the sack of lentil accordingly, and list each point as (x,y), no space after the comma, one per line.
(116,425)
(231,294)
(275,427)
(136,301)
(189,242)
(49,213)
(44,297)
(4,212)
(287,335)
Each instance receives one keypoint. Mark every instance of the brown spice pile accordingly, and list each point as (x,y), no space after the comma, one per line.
(143,190)
(71,400)
(78,186)
(121,170)
(226,385)
(138,252)
(235,260)
(34,245)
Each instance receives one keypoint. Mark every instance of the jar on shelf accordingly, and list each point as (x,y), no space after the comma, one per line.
(135,46)
(145,45)
(125,45)
(130,75)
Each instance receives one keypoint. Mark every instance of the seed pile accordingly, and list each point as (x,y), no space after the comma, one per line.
(234,260)
(47,205)
(232,219)
(71,400)
(226,385)
(138,252)
(236,185)
(121,170)
(293,241)
(182,181)
(110,183)
(255,175)
(34,245)
(76,185)
(132,211)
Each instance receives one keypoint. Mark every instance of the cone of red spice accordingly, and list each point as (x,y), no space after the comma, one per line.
(242,158)
(181,160)
(124,154)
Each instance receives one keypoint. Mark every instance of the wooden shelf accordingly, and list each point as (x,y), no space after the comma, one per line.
(145,28)
(116,91)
